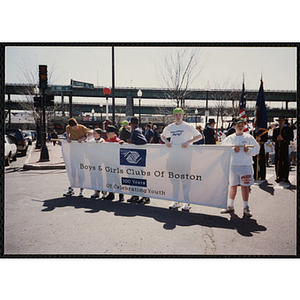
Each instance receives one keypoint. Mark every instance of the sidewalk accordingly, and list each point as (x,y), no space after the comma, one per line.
(55,158)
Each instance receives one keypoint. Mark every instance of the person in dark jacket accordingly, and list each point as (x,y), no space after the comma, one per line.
(282,136)
(125,132)
(261,157)
(149,135)
(156,136)
(137,138)
(54,136)
(209,133)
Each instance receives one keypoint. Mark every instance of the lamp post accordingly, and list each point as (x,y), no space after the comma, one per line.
(38,144)
(196,113)
(207,87)
(93,112)
(139,94)
(106,92)
(101,109)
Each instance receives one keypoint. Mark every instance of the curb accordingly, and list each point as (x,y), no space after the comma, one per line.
(36,167)
(28,166)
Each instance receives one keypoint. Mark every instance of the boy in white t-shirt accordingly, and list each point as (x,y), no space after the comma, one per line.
(180,133)
(241,170)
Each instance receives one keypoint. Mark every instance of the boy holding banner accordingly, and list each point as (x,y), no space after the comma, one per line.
(137,138)
(79,133)
(112,138)
(180,133)
(241,171)
(97,133)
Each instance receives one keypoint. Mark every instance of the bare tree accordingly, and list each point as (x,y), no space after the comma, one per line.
(179,70)
(221,109)
(166,114)
(29,74)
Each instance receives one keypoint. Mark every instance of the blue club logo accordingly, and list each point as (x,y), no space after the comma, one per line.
(133,157)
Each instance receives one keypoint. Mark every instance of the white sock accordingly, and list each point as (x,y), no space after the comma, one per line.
(231,202)
(245,204)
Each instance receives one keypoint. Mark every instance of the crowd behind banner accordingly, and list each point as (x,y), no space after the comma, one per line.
(212,136)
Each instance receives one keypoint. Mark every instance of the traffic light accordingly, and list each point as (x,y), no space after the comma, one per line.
(37,101)
(43,76)
(49,100)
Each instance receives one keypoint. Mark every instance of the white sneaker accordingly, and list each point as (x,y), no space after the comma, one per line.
(186,207)
(104,194)
(247,212)
(174,205)
(229,209)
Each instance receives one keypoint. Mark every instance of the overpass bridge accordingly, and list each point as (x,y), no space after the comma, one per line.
(148,93)
(151,93)
(86,108)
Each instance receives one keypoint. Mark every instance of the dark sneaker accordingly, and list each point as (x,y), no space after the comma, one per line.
(229,209)
(144,200)
(110,196)
(96,194)
(121,197)
(133,199)
(80,193)
(70,192)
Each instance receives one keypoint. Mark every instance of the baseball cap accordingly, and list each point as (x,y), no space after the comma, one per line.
(111,128)
(178,110)
(239,120)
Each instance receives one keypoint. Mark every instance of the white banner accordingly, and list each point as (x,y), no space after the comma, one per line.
(196,174)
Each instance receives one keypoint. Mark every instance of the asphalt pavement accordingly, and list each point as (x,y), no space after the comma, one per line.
(39,220)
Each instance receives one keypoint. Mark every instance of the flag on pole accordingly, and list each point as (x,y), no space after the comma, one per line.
(260,113)
(242,113)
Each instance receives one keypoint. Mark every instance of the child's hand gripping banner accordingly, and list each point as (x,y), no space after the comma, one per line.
(196,174)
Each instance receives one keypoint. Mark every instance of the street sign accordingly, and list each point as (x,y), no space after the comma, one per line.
(60,88)
(83,84)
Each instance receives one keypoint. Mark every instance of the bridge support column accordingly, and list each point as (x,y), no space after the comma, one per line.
(129,106)
(9,112)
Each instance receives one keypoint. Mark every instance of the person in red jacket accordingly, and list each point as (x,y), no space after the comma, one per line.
(112,138)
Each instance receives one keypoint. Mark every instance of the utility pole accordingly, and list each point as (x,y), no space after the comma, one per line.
(113,86)
(43,86)
(70,100)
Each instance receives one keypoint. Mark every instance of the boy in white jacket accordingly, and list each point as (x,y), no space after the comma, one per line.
(241,170)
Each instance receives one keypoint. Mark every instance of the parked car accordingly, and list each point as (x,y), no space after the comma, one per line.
(10,150)
(29,135)
(21,142)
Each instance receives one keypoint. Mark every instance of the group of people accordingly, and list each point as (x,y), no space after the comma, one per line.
(81,133)
(52,137)
(244,147)
(280,136)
